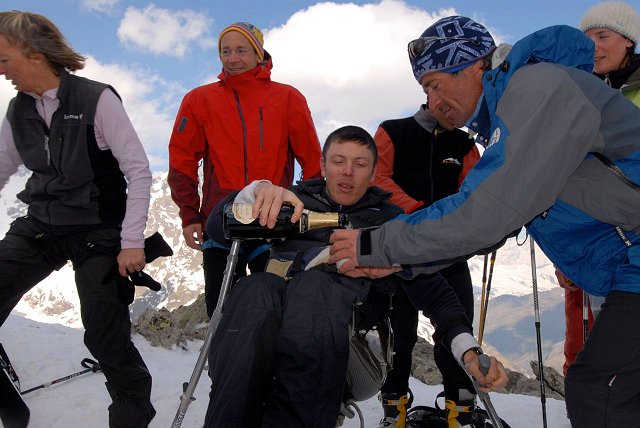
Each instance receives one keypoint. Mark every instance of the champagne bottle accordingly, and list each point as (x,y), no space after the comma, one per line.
(238,223)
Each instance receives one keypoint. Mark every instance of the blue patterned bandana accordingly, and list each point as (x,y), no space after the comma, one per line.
(449,45)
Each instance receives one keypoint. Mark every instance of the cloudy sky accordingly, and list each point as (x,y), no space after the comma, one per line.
(348,59)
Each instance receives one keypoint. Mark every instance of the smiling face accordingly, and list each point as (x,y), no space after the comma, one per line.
(611,50)
(17,67)
(237,54)
(349,168)
(443,121)
(454,94)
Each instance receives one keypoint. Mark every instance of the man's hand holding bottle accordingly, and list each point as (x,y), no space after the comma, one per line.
(269,198)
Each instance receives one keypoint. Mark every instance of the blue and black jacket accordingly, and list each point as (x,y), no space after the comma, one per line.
(544,115)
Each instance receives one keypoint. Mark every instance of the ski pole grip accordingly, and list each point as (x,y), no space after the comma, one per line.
(485,362)
(88,363)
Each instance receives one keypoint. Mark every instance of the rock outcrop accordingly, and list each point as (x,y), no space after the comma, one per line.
(190,322)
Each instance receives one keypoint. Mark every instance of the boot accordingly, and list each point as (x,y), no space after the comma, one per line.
(394,406)
(128,411)
(460,412)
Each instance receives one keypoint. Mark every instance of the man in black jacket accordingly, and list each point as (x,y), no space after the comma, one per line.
(424,158)
(279,356)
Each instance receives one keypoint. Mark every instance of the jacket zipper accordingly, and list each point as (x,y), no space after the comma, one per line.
(244,137)
(61,141)
(431,184)
(260,113)
(47,148)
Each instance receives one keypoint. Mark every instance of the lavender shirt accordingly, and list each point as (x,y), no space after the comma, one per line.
(113,130)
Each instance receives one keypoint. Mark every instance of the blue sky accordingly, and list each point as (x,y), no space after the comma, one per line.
(347,58)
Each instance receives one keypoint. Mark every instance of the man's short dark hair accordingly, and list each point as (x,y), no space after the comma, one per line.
(351,133)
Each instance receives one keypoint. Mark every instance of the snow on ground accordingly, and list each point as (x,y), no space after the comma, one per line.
(43,352)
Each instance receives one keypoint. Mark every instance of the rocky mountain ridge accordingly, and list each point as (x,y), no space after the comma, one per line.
(170,329)
(510,320)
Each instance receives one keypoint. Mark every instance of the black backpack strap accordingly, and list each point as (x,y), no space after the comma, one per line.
(621,175)
(5,364)
(616,170)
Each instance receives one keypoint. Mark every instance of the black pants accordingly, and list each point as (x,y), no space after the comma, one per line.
(404,321)
(28,254)
(214,260)
(279,356)
(453,376)
(603,384)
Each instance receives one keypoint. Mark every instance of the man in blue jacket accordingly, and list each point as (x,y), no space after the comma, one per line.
(561,159)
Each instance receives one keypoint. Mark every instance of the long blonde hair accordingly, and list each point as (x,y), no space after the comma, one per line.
(37,34)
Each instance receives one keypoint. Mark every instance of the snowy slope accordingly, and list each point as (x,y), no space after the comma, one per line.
(43,352)
(55,299)
(44,336)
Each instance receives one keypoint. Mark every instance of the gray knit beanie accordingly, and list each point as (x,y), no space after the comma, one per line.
(617,16)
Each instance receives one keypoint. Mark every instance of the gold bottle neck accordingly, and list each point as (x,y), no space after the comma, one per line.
(316,220)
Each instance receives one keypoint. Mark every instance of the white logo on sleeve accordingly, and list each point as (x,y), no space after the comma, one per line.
(494,138)
(73,116)
(450,161)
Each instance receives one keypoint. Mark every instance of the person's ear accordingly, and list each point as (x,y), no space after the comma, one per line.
(373,173)
(39,61)
(628,43)
(37,57)
(323,170)
(477,66)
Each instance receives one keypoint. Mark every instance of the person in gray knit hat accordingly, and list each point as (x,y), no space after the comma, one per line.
(615,29)
(618,16)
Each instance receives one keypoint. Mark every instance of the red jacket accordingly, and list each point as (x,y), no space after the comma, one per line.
(243,128)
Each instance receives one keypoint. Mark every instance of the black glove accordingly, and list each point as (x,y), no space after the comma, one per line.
(126,284)
(154,246)
(142,279)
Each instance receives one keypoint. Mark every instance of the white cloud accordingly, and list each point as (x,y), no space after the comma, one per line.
(102,6)
(150,102)
(350,61)
(164,31)
(7,91)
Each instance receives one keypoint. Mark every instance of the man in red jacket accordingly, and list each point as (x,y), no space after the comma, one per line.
(243,127)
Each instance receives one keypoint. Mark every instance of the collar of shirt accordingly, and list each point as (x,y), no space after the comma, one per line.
(47,104)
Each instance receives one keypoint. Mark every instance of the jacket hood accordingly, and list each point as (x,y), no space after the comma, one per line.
(558,44)
(261,72)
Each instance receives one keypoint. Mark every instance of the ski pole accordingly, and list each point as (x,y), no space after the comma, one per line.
(484,306)
(585,316)
(484,291)
(536,309)
(187,396)
(485,362)
(88,363)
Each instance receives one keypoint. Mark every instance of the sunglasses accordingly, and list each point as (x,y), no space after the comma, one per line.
(418,46)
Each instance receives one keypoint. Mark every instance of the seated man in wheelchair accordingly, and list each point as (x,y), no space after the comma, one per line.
(279,356)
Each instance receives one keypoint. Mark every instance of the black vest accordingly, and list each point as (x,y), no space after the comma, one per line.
(73,182)
(426,165)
